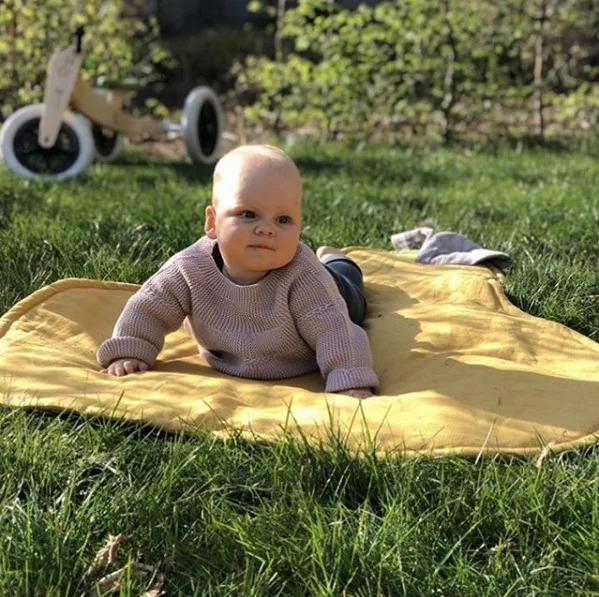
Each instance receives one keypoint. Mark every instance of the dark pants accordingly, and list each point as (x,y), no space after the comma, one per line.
(348,277)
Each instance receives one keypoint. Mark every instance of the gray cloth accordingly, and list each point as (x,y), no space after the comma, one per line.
(447,248)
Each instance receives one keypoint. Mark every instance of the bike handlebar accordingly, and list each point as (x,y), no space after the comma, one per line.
(79,35)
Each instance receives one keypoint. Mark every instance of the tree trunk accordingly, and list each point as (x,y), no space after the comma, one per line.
(449,90)
(539,62)
(12,28)
(279,30)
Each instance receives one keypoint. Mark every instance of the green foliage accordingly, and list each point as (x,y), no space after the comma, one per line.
(433,67)
(116,45)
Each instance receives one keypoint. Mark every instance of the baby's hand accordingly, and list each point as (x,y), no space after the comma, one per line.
(125,366)
(358,392)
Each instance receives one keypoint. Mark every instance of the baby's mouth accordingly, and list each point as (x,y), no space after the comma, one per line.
(259,246)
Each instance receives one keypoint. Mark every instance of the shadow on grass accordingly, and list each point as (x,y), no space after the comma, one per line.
(133,429)
(401,170)
(199,173)
(585,143)
(326,453)
(588,145)
(397,171)
(140,431)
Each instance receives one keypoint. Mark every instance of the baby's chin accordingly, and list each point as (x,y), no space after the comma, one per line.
(266,262)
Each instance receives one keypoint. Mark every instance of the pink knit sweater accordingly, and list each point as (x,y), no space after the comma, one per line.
(291,322)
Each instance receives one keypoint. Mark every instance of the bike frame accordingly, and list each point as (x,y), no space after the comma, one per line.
(65,87)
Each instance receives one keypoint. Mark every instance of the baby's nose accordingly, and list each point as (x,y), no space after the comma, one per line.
(265,229)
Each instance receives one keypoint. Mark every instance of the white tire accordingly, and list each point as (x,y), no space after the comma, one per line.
(203,124)
(23,155)
(106,147)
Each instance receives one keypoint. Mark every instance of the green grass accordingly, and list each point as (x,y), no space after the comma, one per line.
(240,518)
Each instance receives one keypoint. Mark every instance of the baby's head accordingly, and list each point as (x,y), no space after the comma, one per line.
(256,210)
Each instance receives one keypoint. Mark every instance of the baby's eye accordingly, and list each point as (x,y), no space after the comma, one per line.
(247,214)
(285,220)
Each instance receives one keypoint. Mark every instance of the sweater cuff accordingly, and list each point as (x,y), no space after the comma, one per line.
(126,347)
(347,379)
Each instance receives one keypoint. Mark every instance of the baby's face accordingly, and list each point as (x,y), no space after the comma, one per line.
(257,220)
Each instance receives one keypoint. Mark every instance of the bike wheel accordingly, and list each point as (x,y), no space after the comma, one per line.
(203,123)
(106,147)
(70,155)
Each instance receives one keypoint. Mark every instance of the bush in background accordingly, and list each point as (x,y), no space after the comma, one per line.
(438,68)
(116,45)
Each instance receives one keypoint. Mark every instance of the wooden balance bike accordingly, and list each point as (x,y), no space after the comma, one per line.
(78,123)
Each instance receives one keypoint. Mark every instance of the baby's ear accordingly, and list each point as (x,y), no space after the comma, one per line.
(210,222)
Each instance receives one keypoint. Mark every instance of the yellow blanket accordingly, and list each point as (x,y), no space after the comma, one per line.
(463,371)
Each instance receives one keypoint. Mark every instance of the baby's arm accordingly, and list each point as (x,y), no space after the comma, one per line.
(157,308)
(342,348)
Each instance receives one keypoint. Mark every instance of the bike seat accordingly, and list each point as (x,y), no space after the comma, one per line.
(129,84)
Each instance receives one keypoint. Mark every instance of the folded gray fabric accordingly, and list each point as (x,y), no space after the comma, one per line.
(411,239)
(448,248)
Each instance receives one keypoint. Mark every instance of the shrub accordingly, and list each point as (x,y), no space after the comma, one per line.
(116,45)
(437,67)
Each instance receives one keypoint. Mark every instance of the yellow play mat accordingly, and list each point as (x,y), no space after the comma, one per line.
(463,371)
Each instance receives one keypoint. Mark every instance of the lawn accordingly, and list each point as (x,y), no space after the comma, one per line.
(239,518)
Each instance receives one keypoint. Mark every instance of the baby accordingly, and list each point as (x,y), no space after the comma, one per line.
(258,302)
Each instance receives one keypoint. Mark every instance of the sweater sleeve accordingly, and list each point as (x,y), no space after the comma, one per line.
(342,347)
(157,308)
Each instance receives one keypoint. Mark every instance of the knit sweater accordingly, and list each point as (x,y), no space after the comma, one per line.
(291,322)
